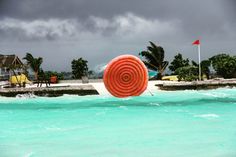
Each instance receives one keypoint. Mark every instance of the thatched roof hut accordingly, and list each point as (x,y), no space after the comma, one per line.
(10,61)
(9,65)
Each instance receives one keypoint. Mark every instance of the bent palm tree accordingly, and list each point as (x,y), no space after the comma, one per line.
(34,63)
(154,59)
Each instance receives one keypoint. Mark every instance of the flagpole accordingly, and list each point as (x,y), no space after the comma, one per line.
(199,61)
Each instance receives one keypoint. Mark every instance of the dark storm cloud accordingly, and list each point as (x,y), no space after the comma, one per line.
(31,9)
(196,16)
(113,27)
(71,8)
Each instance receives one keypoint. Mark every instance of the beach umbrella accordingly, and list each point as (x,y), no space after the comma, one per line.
(126,75)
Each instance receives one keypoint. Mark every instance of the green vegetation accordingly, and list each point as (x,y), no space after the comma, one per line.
(224,65)
(205,64)
(187,73)
(154,59)
(205,67)
(91,74)
(178,62)
(79,68)
(34,63)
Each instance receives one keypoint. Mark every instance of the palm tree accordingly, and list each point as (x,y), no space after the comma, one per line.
(34,63)
(154,59)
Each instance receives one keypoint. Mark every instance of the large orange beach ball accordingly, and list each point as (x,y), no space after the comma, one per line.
(126,76)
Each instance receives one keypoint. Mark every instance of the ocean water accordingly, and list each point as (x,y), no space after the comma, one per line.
(168,124)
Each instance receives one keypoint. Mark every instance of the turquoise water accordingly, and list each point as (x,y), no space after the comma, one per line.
(169,124)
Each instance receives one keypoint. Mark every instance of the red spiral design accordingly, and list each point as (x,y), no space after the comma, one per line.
(125,76)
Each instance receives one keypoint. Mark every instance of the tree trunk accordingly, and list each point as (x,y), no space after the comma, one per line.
(36,75)
(159,75)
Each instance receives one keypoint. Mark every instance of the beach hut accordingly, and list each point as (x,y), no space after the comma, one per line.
(9,64)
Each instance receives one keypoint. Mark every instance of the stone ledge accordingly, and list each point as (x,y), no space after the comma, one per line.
(51,91)
(196,85)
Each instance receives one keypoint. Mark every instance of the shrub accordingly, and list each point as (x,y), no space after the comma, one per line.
(187,73)
(224,65)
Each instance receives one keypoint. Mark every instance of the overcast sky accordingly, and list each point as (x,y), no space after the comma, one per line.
(99,30)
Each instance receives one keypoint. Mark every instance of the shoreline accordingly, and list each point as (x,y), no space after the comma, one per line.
(197,85)
(97,87)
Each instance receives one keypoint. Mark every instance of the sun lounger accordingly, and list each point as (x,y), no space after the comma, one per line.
(20,80)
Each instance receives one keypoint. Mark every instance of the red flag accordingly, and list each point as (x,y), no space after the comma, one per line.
(197,42)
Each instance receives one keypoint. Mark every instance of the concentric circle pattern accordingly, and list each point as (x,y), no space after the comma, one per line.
(125,76)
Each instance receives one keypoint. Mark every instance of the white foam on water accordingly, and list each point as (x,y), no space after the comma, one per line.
(211,115)
(123,107)
(58,129)
(154,104)
(30,154)
(216,95)
(26,96)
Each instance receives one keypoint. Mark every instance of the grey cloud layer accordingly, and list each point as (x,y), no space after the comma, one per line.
(122,26)
(100,30)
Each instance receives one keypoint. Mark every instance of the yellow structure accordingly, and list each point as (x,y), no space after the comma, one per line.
(170,78)
(19,79)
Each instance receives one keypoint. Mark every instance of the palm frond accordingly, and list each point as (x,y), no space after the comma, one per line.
(157,51)
(153,45)
(28,57)
(150,66)
(147,55)
(164,65)
(150,58)
(153,51)
(194,63)
(154,58)
(34,63)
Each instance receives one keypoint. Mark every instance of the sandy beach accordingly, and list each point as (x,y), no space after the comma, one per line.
(99,85)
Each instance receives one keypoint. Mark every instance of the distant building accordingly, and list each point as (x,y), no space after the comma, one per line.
(7,62)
